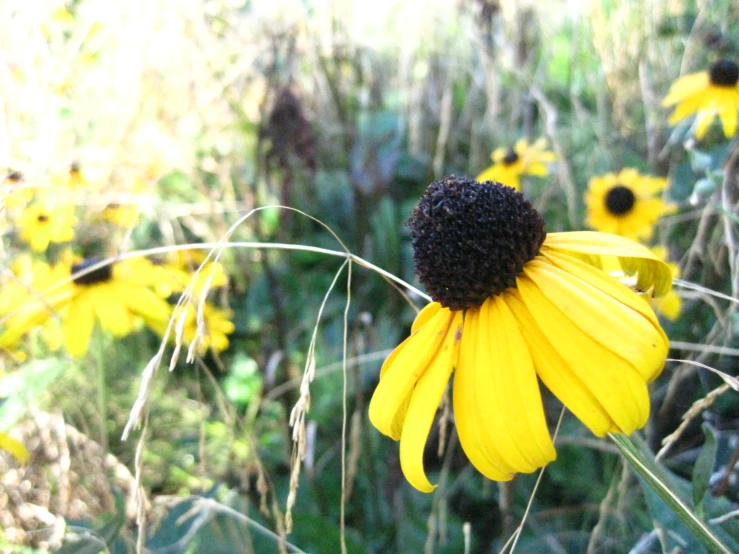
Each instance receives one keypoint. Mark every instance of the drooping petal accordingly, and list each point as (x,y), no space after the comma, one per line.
(497,402)
(424,402)
(728,114)
(557,375)
(652,273)
(613,381)
(403,368)
(474,436)
(78,324)
(608,311)
(702,122)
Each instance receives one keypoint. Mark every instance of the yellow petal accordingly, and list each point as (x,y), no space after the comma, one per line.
(403,368)
(15,447)
(728,116)
(428,311)
(669,305)
(499,394)
(685,86)
(144,302)
(608,311)
(703,122)
(685,109)
(635,259)
(110,308)
(424,402)
(619,388)
(474,436)
(487,175)
(78,324)
(556,374)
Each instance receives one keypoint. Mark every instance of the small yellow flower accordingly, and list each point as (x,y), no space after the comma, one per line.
(509,164)
(123,215)
(41,224)
(625,204)
(74,178)
(217,326)
(513,305)
(15,191)
(708,94)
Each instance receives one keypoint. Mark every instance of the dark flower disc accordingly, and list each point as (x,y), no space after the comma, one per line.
(620,200)
(724,73)
(99,275)
(470,240)
(510,157)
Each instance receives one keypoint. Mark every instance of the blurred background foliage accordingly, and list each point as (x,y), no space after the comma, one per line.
(195,113)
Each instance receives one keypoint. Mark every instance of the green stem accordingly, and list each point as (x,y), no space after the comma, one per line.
(102,395)
(649,470)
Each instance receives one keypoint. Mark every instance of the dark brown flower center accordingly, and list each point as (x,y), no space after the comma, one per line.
(510,157)
(724,73)
(620,200)
(470,240)
(99,275)
(42,218)
(15,177)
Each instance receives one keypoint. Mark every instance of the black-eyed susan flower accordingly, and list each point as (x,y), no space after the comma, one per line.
(512,303)
(707,94)
(43,223)
(15,191)
(73,178)
(114,296)
(509,164)
(626,203)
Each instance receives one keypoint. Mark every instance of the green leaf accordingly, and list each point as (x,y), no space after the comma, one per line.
(25,385)
(657,478)
(704,466)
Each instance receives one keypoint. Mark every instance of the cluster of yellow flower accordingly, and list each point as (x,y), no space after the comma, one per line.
(512,303)
(60,296)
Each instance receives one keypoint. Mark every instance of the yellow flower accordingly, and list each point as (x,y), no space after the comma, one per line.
(41,224)
(123,215)
(16,192)
(114,296)
(217,326)
(707,94)
(74,178)
(511,304)
(509,164)
(624,204)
